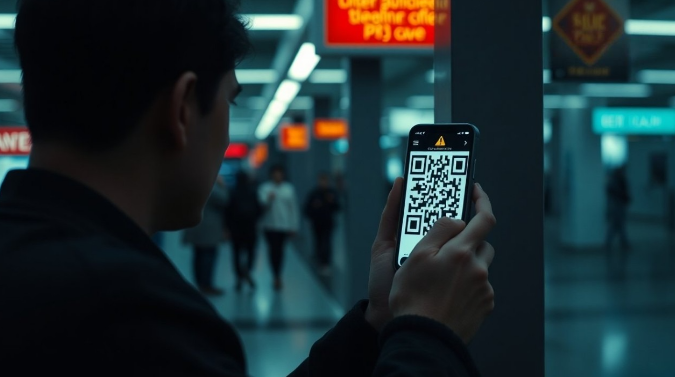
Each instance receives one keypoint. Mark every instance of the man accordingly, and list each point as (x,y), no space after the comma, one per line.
(320,207)
(127,102)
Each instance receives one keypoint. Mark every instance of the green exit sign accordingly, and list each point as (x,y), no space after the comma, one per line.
(634,121)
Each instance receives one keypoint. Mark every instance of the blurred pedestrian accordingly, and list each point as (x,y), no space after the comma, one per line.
(320,207)
(206,237)
(618,200)
(242,215)
(280,219)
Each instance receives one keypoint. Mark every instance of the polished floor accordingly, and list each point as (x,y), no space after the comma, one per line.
(609,314)
(606,315)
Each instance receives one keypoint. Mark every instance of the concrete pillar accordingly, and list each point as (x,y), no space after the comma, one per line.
(492,77)
(364,177)
(583,179)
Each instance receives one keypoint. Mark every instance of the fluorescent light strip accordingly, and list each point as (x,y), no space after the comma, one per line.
(302,103)
(256,21)
(633,27)
(616,90)
(648,27)
(274,21)
(420,102)
(10,76)
(328,76)
(565,102)
(256,76)
(7,20)
(287,91)
(275,111)
(304,63)
(546,24)
(8,105)
(652,76)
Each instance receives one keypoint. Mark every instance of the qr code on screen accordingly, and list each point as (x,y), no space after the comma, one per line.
(436,184)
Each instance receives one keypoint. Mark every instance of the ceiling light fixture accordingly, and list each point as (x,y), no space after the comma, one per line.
(653,76)
(10,76)
(305,62)
(616,90)
(256,76)
(328,76)
(7,20)
(274,21)
(649,27)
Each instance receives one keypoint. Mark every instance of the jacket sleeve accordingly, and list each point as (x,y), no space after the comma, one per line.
(408,346)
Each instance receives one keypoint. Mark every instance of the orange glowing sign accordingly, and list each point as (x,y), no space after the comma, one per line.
(330,129)
(259,155)
(15,141)
(380,23)
(293,137)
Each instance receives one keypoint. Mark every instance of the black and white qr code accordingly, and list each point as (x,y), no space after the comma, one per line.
(435,188)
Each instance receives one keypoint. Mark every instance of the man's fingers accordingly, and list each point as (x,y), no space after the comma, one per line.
(485,254)
(389,221)
(443,230)
(481,225)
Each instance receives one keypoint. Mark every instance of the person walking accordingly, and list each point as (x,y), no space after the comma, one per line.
(618,200)
(206,237)
(280,219)
(242,215)
(320,207)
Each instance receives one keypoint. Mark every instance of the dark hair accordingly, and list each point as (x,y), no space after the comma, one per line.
(91,69)
(277,168)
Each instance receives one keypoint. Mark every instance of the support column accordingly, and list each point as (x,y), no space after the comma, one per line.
(582,178)
(321,148)
(365,181)
(495,82)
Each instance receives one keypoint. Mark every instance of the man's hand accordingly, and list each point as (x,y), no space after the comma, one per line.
(382,261)
(446,276)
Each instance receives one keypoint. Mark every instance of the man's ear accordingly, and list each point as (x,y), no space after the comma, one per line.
(182,105)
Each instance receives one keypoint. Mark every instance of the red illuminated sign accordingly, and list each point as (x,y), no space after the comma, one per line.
(14,141)
(236,150)
(293,137)
(380,23)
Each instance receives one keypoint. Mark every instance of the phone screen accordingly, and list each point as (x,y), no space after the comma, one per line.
(438,180)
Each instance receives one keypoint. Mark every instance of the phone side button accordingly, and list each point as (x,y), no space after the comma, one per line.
(473,176)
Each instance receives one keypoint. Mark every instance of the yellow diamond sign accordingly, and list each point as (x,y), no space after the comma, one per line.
(589,27)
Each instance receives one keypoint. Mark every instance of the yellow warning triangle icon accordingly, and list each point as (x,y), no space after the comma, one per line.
(440,142)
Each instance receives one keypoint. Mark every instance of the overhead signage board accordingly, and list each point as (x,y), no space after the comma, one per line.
(15,141)
(293,137)
(588,40)
(375,27)
(330,129)
(634,121)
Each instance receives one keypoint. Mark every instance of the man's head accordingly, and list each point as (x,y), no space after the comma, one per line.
(150,77)
(277,173)
(324,180)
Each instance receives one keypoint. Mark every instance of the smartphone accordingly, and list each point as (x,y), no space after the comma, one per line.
(439,177)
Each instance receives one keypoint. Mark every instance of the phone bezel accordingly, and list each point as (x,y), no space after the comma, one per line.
(468,203)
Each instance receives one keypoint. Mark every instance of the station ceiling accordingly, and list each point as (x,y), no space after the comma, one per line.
(404,76)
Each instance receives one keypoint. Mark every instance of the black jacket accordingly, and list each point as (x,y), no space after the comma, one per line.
(84,292)
(321,205)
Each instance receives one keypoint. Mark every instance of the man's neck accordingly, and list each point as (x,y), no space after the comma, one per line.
(122,184)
